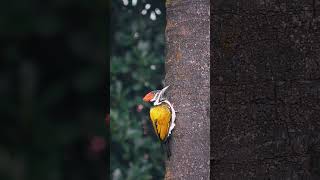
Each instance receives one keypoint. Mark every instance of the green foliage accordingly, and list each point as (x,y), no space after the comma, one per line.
(136,67)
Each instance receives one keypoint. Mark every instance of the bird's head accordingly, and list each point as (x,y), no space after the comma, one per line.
(155,96)
(151,96)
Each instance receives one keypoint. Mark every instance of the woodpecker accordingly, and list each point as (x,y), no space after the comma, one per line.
(162,115)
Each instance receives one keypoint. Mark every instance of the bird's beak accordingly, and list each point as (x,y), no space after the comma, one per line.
(162,91)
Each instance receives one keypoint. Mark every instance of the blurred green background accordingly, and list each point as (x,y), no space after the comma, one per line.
(53,87)
(137,66)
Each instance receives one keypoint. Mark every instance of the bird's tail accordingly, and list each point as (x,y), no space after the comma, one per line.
(165,148)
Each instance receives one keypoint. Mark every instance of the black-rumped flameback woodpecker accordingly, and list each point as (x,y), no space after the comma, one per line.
(162,115)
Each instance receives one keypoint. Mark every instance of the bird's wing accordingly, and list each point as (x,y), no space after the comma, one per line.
(160,117)
(154,124)
(173,116)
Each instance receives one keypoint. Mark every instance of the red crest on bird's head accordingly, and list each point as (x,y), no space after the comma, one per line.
(148,97)
(155,96)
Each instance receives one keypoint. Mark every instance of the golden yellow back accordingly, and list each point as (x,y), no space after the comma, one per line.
(160,116)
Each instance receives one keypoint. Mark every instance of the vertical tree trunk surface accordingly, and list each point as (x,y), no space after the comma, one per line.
(265,91)
(187,73)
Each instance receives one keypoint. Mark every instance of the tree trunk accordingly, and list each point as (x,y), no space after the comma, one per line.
(265,101)
(187,72)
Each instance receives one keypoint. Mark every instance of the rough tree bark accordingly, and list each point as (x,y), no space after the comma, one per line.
(187,72)
(265,92)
